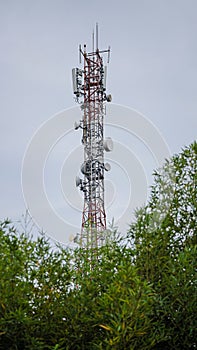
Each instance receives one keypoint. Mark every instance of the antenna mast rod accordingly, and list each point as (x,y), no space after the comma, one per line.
(96,36)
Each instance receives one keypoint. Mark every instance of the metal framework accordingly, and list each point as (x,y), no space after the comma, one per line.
(89,87)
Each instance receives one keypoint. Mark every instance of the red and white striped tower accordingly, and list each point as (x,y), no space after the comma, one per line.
(89,85)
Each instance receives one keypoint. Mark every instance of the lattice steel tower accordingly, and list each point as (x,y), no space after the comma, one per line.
(89,86)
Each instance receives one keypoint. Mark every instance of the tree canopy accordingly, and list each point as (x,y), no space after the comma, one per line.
(133,293)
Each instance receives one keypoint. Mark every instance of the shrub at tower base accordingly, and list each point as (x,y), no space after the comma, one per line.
(136,293)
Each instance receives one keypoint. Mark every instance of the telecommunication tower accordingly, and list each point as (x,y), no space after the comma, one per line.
(89,87)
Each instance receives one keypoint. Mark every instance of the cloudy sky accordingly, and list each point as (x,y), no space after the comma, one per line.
(153,69)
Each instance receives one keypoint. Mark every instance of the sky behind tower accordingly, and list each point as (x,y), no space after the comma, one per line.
(153,69)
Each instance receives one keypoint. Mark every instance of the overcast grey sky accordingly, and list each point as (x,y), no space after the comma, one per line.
(153,69)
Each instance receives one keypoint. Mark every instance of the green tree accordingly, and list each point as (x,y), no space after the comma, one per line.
(164,240)
(33,282)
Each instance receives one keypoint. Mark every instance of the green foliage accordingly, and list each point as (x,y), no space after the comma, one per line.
(164,240)
(33,281)
(138,294)
(63,300)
